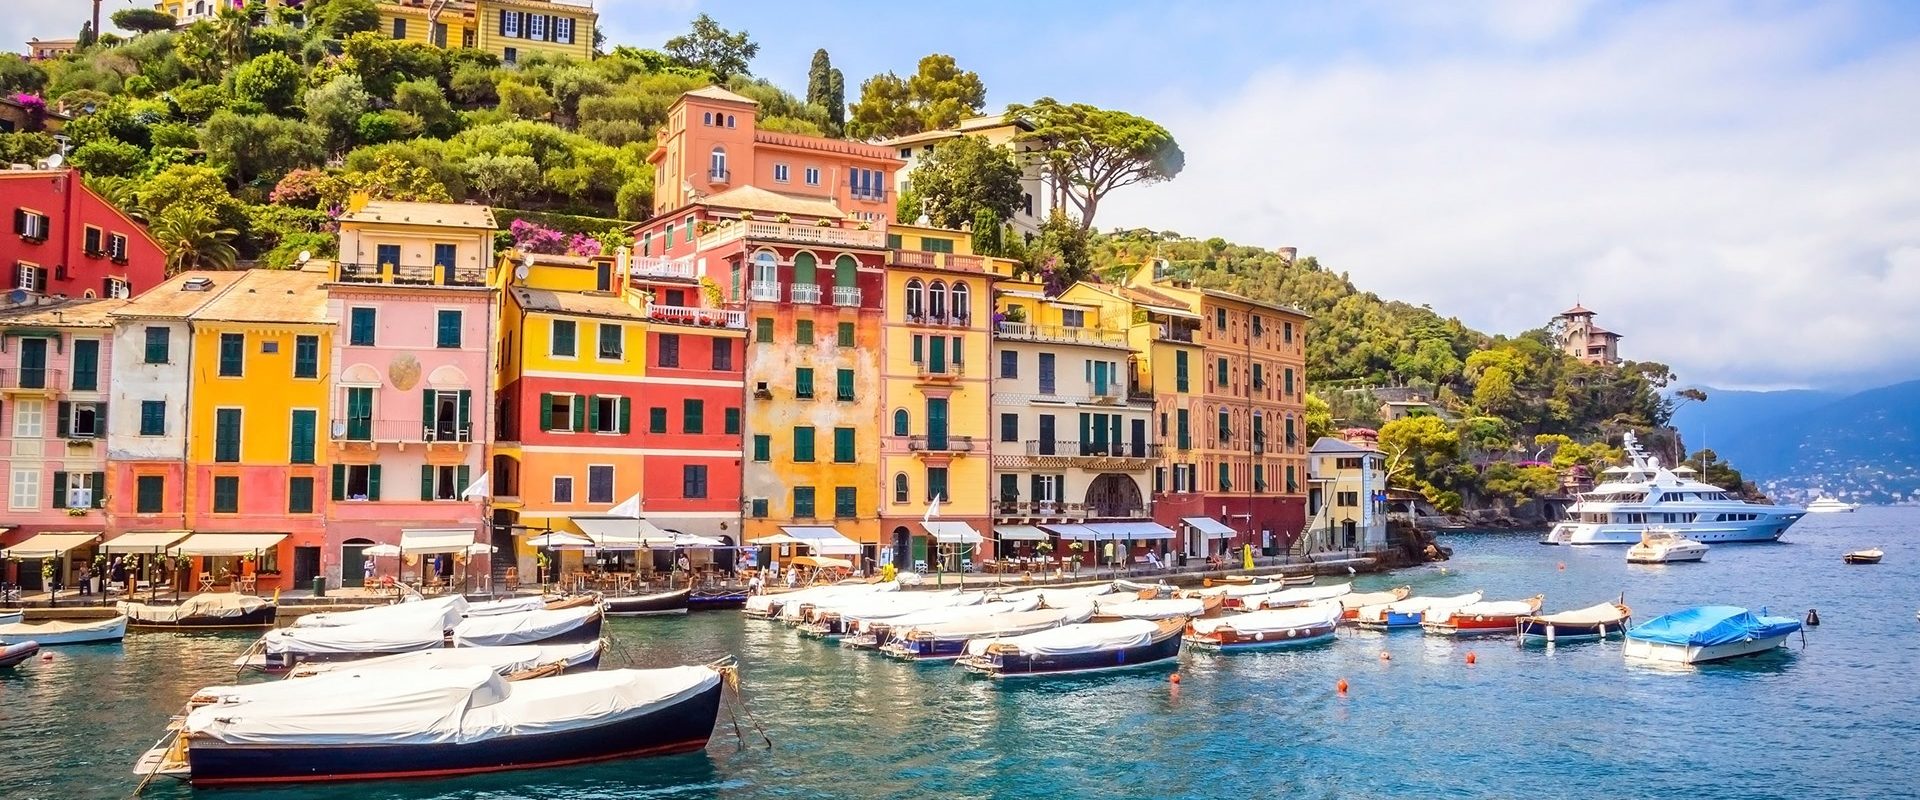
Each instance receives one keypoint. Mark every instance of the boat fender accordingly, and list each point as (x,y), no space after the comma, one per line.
(1260,636)
(1386,656)
(1290,633)
(1813,618)
(1472,659)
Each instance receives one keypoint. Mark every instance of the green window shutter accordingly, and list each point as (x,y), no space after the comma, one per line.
(426,408)
(693,416)
(593,415)
(803,331)
(86,365)
(656,420)
(626,415)
(426,481)
(158,341)
(844,384)
(546,412)
(305,424)
(466,411)
(99,490)
(759,508)
(919,348)
(373,482)
(803,444)
(339,482)
(763,329)
(300,495)
(460,480)
(1180,371)
(804,265)
(732,422)
(843,271)
(448,334)
(150,494)
(59,489)
(762,447)
(579,413)
(843,445)
(803,382)
(846,334)
(63,419)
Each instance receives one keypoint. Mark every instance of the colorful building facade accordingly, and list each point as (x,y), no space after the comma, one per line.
(1347,503)
(412,377)
(510,29)
(69,242)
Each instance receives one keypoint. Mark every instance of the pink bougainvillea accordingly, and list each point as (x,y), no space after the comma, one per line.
(583,245)
(35,105)
(532,237)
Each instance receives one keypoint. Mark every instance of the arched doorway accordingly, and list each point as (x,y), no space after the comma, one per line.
(353,567)
(901,540)
(1114,495)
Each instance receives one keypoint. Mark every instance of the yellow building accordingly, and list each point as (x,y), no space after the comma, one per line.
(936,387)
(510,29)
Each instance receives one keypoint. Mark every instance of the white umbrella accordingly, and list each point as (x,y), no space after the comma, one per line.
(481,549)
(382,551)
(560,539)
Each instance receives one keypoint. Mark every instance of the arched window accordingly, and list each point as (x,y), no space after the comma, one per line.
(729,120)
(717,164)
(916,299)
(937,301)
(803,267)
(900,493)
(899,422)
(766,268)
(844,272)
(707,118)
(962,303)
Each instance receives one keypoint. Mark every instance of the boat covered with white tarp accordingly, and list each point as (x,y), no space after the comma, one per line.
(944,640)
(1275,627)
(207,610)
(1303,596)
(1085,647)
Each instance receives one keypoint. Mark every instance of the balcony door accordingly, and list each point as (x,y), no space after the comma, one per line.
(359,413)
(33,363)
(937,423)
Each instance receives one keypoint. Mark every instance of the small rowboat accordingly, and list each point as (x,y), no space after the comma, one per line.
(54,632)
(1483,618)
(1284,627)
(15,653)
(12,617)
(1870,556)
(1412,611)
(647,605)
(1305,596)
(1186,607)
(1585,624)
(1087,647)
(202,612)
(1352,602)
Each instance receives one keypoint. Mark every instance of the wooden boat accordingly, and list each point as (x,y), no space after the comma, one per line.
(1299,580)
(1077,649)
(646,605)
(432,724)
(209,611)
(55,632)
(1707,633)
(1127,608)
(948,640)
(1353,602)
(1305,596)
(1237,596)
(1584,624)
(1485,618)
(285,648)
(870,634)
(1869,556)
(1412,611)
(1285,627)
(13,654)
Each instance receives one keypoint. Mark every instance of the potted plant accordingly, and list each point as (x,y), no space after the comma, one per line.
(783,219)
(823,222)
(76,512)
(866,226)
(746,216)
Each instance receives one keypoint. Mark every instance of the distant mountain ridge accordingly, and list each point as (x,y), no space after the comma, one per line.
(1862,447)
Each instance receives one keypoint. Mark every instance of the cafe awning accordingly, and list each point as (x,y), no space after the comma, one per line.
(1116,531)
(623,533)
(1019,533)
(951,532)
(824,541)
(51,544)
(560,539)
(435,540)
(227,544)
(1213,528)
(1068,530)
(821,561)
(143,541)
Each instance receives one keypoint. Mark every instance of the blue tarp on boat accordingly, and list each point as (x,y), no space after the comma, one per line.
(1706,626)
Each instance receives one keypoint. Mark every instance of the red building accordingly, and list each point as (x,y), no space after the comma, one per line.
(69,241)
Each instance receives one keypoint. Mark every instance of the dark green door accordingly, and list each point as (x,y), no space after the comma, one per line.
(937,424)
(360,414)
(33,363)
(937,355)
(353,564)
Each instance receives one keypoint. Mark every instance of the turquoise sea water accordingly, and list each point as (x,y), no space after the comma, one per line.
(1837,719)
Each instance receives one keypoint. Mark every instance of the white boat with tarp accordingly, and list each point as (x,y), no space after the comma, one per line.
(1409,613)
(1081,648)
(1352,603)
(1597,621)
(1171,608)
(877,632)
(209,610)
(1707,633)
(1280,627)
(832,619)
(410,627)
(947,640)
(1304,596)
(505,660)
(58,632)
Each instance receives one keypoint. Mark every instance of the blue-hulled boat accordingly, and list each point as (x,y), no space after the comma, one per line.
(1409,613)
(1707,633)
(1073,649)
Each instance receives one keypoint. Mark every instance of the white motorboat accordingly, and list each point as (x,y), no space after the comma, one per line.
(1707,633)
(54,632)
(1644,493)
(1828,505)
(1661,546)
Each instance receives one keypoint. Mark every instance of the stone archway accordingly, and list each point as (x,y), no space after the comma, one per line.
(1114,495)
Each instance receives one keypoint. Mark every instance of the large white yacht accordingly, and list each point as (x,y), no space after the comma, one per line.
(1642,493)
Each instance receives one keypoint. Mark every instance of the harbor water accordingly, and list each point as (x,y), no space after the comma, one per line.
(1835,717)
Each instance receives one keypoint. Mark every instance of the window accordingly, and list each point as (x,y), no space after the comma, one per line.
(900,489)
(1293,485)
(731,422)
(1009,488)
(843,385)
(1287,381)
(1009,427)
(360,324)
(149,494)
(803,383)
(300,494)
(1259,378)
(1257,332)
(813,176)
(159,341)
(510,55)
(1073,318)
(226,494)
(693,481)
(803,444)
(26,489)
(916,299)
(28,419)
(937,484)
(86,364)
(356,482)
(30,225)
(306,430)
(447,328)
(962,299)
(693,416)
(937,300)
(843,445)
(803,332)
(610,414)
(780,173)
(846,336)
(723,355)
(153,418)
(803,502)
(759,508)
(442,482)
(1259,477)
(563,412)
(30,278)
(563,489)
(1220,318)
(1180,371)
(399,27)
(1286,332)
(563,30)
(762,447)
(1292,439)
(1220,373)
(900,426)
(537,26)
(117,247)
(599,484)
(1046,373)
(1224,430)
(81,420)
(119,289)
(1226,476)
(933,245)
(1009,364)
(845,502)
(563,338)
(233,353)
(656,420)
(360,413)
(226,435)
(1180,419)
(669,349)
(306,356)
(717,164)
(763,329)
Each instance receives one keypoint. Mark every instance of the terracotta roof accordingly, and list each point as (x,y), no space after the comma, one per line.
(271,295)
(1595,329)
(966,126)
(446,215)
(1150,297)
(822,143)
(586,305)
(65,313)
(720,93)
(1575,311)
(754,198)
(1241,298)
(171,300)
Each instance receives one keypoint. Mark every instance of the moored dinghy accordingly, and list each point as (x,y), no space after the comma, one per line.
(947,640)
(650,605)
(770,606)
(1868,556)
(1707,633)
(1305,596)
(1190,607)
(1485,618)
(869,634)
(13,617)
(1280,627)
(836,619)
(1070,649)
(447,609)
(562,626)
(57,632)
(202,611)
(18,652)
(1412,611)
(1352,603)
(1584,624)
(578,657)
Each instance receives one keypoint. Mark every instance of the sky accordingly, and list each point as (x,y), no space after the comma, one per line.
(1734,187)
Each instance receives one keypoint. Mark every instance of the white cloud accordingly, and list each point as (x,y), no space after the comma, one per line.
(1734,195)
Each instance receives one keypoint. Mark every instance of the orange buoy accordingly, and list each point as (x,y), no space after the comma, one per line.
(1175,678)
(1471,658)
(1386,656)
(1563,566)
(1341,687)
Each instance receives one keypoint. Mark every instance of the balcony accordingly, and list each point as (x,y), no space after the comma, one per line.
(944,373)
(1106,395)
(807,293)
(1093,455)
(702,317)
(846,296)
(658,267)
(930,260)
(1061,334)
(800,234)
(719,176)
(767,291)
(412,274)
(1173,333)
(921,317)
(350,430)
(31,381)
(939,444)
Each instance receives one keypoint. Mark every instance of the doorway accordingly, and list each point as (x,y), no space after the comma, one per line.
(306,566)
(353,570)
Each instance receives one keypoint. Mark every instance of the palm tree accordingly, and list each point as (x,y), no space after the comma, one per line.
(193,239)
(230,30)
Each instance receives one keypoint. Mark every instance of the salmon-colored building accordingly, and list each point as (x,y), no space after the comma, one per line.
(68,241)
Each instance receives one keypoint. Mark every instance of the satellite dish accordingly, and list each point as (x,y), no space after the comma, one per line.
(17,296)
(339,428)
(304,256)
(54,161)
(520,272)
